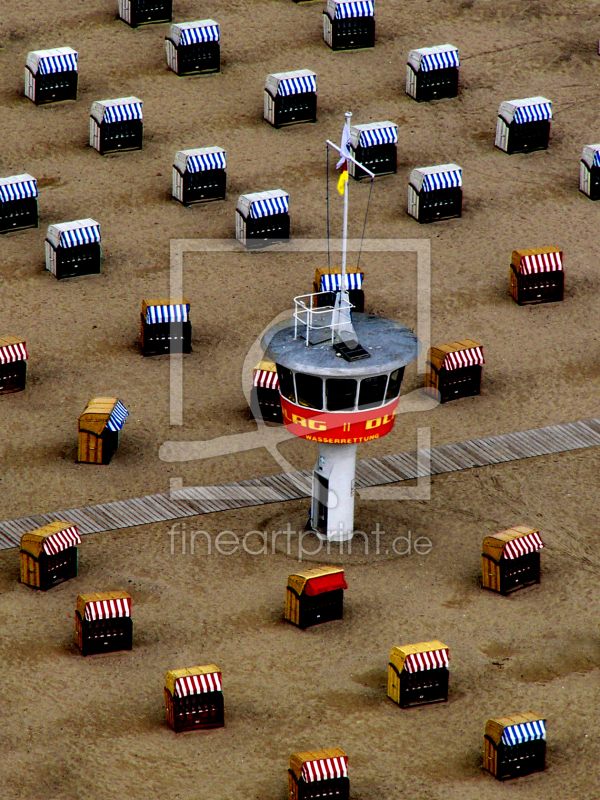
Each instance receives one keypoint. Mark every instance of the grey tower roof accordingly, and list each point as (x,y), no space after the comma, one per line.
(390,344)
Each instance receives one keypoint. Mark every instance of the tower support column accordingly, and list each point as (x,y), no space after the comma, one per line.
(333,492)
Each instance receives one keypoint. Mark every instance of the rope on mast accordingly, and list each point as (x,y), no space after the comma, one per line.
(362,238)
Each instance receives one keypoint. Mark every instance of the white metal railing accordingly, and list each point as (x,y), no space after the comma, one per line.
(319,319)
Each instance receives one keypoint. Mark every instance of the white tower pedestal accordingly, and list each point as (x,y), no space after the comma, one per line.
(333,492)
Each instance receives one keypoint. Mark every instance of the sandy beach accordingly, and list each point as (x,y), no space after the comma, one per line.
(75,727)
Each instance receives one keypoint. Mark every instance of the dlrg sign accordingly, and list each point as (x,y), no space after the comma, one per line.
(338,428)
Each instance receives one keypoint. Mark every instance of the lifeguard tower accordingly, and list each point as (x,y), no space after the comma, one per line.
(339,376)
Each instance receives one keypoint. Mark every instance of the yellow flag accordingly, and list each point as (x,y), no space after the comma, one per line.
(341,187)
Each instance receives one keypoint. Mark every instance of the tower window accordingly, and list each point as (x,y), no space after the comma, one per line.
(372,392)
(309,390)
(394,383)
(286,383)
(341,394)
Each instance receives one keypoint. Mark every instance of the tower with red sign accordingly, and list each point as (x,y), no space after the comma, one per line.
(340,375)
(340,404)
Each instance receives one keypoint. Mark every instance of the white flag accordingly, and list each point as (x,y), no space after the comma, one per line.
(345,154)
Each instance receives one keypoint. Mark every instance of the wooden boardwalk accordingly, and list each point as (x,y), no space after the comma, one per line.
(291,486)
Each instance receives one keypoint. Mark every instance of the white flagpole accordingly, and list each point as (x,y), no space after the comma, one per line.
(341,315)
(345,220)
